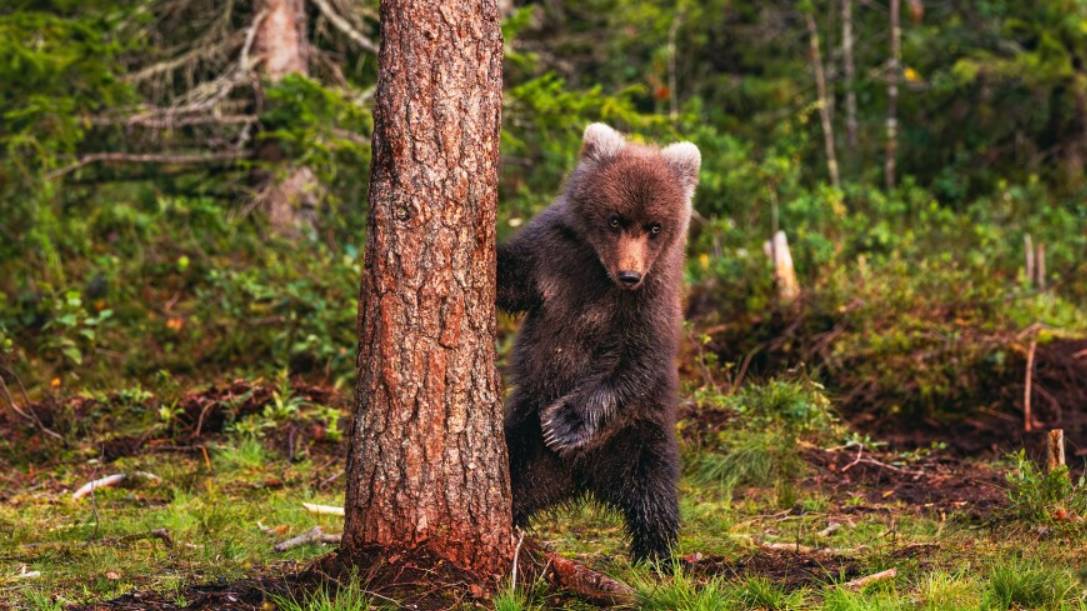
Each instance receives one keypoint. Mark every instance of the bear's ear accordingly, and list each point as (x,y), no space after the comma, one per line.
(601,142)
(684,159)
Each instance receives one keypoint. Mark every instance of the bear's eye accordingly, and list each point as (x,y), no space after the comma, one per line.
(655,229)
(613,221)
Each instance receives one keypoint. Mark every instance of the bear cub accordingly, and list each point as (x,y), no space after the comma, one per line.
(598,275)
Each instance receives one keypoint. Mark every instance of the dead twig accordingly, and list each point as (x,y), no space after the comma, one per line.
(1027,417)
(516,555)
(164,158)
(313,535)
(28,416)
(328,510)
(110,481)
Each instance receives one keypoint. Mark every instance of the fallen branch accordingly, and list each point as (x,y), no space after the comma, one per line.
(861,582)
(166,158)
(171,120)
(313,535)
(341,24)
(807,549)
(328,510)
(110,481)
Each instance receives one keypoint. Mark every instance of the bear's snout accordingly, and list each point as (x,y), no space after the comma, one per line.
(633,254)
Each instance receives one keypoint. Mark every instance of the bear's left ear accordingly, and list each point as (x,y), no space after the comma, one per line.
(685,160)
(601,142)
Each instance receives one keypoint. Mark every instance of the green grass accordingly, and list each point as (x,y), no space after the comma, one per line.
(351,596)
(218,512)
(1020,584)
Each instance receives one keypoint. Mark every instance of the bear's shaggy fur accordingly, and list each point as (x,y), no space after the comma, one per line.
(598,275)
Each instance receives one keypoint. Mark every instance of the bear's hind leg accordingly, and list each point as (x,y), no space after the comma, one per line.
(637,472)
(538,478)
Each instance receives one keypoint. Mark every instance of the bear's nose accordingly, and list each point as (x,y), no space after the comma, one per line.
(630,277)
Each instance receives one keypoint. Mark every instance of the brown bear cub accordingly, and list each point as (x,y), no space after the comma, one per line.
(598,275)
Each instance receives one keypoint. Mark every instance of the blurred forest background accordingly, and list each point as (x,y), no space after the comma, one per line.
(183,182)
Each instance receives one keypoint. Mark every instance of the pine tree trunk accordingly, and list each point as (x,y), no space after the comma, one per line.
(427,466)
(288,197)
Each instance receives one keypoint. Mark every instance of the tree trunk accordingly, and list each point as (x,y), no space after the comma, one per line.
(288,198)
(850,79)
(427,466)
(893,70)
(824,99)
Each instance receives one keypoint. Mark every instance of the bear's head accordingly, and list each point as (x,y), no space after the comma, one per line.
(631,202)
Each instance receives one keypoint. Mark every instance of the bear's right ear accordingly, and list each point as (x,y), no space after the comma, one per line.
(685,160)
(601,142)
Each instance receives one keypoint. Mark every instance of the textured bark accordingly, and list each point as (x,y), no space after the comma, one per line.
(427,465)
(288,198)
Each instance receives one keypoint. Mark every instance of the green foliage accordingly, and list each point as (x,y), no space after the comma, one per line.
(1038,497)
(762,448)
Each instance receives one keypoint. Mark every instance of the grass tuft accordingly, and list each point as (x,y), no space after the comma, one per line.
(1021,584)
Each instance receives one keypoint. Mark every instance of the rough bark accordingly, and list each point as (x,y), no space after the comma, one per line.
(288,197)
(427,465)
(893,70)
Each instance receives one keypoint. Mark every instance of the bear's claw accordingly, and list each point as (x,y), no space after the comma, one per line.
(564,428)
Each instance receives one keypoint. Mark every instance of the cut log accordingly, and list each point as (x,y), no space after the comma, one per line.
(1054,450)
(777,250)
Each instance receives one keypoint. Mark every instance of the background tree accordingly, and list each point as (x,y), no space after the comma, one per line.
(427,461)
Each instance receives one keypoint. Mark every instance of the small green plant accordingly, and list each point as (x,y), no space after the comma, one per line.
(682,592)
(247,452)
(39,601)
(1037,496)
(761,593)
(1021,584)
(839,599)
(941,591)
(285,404)
(169,413)
(351,596)
(72,332)
(510,599)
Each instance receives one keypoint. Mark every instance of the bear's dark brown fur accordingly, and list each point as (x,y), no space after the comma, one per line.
(598,275)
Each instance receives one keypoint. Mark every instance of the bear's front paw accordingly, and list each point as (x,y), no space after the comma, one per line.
(564,428)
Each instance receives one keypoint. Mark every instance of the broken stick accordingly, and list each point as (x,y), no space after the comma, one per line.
(860,582)
(110,481)
(328,510)
(313,535)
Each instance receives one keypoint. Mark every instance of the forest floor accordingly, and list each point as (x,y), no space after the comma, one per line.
(217,476)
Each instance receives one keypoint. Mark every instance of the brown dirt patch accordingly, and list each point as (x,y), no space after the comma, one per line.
(939,482)
(787,568)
